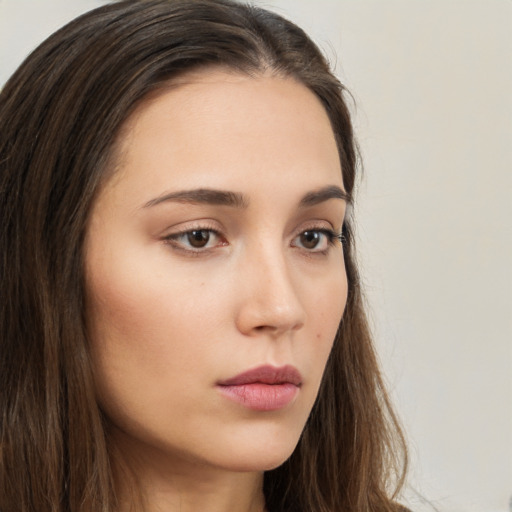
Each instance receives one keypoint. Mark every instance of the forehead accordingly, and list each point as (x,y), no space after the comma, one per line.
(214,126)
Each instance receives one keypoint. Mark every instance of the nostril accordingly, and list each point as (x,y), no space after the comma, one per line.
(265,328)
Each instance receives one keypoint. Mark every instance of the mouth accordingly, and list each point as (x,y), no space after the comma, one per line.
(266,388)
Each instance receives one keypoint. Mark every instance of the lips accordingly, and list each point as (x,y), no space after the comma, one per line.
(266,388)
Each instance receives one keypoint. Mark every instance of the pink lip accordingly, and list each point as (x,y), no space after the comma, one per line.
(266,388)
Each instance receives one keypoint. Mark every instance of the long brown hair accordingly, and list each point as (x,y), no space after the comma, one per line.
(60,114)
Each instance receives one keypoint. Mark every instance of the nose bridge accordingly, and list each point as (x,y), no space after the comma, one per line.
(269,298)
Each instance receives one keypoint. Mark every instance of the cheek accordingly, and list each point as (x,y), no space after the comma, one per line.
(135,315)
(150,356)
(329,304)
(144,331)
(325,313)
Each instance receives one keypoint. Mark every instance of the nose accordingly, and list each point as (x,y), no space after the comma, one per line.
(269,302)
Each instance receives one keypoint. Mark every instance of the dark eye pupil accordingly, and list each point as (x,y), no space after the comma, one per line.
(198,238)
(310,239)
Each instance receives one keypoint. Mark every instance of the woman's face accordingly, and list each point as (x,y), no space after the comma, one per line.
(211,253)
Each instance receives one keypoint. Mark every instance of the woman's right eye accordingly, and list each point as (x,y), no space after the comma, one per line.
(195,240)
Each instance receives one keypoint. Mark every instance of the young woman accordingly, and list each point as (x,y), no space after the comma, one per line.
(181,321)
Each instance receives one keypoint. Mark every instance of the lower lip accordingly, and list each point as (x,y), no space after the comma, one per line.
(261,397)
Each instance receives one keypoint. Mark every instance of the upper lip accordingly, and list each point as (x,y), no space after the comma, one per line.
(266,375)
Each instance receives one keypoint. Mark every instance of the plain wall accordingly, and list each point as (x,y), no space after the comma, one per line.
(432,82)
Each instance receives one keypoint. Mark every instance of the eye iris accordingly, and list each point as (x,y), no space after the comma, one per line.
(198,238)
(310,239)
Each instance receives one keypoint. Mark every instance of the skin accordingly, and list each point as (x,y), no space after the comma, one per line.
(168,321)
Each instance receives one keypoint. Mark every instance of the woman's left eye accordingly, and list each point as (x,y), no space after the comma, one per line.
(316,240)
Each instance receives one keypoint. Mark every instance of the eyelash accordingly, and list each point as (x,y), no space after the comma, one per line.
(173,239)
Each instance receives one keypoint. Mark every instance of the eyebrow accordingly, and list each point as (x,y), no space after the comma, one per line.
(324,194)
(202,196)
(238,200)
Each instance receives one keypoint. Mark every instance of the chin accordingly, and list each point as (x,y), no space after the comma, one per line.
(260,454)
(257,463)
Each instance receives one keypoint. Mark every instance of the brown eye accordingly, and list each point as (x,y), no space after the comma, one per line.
(316,240)
(198,238)
(196,241)
(310,239)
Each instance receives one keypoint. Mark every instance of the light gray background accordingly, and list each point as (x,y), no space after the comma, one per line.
(433,81)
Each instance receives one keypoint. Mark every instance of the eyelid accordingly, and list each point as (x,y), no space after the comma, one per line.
(316,225)
(192,225)
(172,237)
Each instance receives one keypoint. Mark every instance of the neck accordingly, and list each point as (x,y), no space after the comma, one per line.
(157,482)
